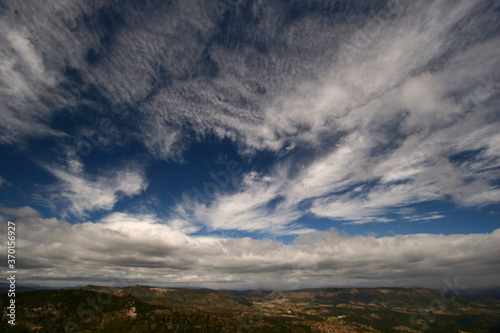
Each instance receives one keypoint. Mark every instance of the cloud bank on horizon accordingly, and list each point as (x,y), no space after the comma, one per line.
(123,249)
(283,145)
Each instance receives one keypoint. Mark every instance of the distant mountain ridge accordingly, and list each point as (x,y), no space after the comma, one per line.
(152,309)
(493,292)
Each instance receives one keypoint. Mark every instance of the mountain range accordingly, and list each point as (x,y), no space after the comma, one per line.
(150,309)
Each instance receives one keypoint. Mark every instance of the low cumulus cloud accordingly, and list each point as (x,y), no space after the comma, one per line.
(125,249)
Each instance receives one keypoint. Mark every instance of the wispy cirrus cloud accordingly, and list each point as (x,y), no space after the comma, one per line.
(3,181)
(387,124)
(386,120)
(79,193)
(25,82)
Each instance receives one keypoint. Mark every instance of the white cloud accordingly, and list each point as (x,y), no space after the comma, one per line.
(365,208)
(247,210)
(402,123)
(25,82)
(129,249)
(375,184)
(389,113)
(308,82)
(80,193)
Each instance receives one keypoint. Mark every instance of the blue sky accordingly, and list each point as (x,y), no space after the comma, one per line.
(252,145)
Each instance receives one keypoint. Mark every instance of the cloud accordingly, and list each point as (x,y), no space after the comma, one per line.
(3,181)
(268,85)
(79,192)
(28,86)
(248,210)
(181,68)
(365,208)
(126,249)
(409,214)
(387,121)
(364,116)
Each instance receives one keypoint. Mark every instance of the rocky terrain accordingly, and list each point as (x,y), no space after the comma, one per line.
(150,309)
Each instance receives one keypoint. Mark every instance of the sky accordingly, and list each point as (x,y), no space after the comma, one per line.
(248,144)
